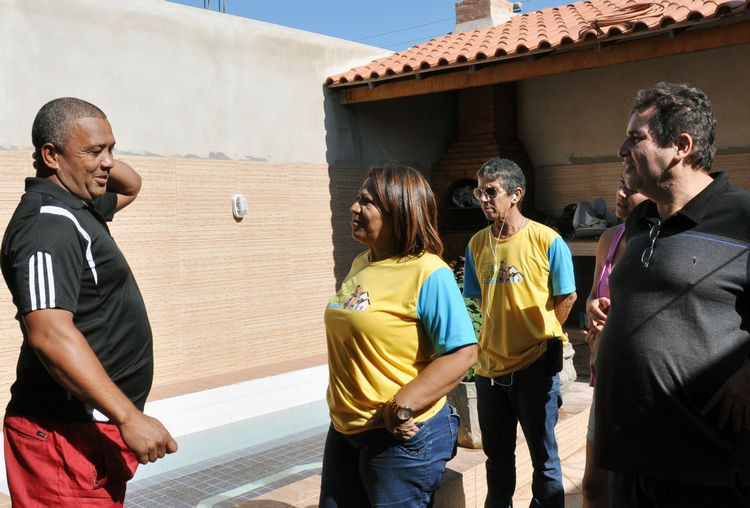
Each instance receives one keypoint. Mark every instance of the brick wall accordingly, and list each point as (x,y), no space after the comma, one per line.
(471,10)
(221,295)
(473,14)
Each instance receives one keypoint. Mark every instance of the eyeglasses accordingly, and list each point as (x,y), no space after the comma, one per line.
(490,192)
(648,252)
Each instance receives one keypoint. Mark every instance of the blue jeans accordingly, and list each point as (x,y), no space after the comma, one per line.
(372,468)
(532,397)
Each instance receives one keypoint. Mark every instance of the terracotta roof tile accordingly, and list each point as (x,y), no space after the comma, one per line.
(542,30)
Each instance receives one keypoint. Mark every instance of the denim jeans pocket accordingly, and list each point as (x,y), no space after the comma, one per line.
(454,421)
(420,445)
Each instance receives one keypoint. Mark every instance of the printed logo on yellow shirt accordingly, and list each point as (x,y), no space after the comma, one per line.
(351,299)
(506,274)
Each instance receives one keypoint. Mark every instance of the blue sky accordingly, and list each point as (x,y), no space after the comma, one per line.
(391,24)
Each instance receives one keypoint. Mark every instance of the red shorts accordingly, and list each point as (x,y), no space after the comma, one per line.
(52,463)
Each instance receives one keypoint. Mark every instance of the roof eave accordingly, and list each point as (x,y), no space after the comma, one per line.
(474,66)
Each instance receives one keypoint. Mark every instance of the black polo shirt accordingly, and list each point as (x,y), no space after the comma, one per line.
(57,252)
(676,331)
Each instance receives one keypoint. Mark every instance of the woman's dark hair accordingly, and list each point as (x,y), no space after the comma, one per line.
(404,195)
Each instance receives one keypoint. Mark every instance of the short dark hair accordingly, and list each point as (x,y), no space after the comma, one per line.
(508,173)
(681,108)
(55,121)
(404,194)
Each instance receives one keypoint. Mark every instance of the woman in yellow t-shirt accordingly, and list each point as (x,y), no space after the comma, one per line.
(399,339)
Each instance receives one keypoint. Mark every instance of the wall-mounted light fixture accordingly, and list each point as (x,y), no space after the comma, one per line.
(239,206)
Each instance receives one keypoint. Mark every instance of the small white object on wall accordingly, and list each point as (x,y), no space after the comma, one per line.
(239,206)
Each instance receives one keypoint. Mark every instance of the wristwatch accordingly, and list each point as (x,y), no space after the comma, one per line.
(401,413)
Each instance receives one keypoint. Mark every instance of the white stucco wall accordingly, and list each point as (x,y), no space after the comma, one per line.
(173,80)
(581,116)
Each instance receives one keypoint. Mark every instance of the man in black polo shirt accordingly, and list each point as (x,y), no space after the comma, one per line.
(673,375)
(74,427)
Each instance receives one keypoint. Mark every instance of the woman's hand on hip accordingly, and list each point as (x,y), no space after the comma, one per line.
(401,431)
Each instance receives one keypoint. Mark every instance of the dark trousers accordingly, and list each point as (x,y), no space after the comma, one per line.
(531,397)
(632,491)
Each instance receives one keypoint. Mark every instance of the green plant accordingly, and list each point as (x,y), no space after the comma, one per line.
(475,313)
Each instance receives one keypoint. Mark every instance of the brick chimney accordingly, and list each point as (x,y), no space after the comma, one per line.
(473,14)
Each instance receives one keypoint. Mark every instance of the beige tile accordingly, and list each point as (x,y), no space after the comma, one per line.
(301,493)
(579,457)
(452,491)
(574,500)
(577,398)
(570,487)
(523,491)
(467,459)
(574,472)
(521,501)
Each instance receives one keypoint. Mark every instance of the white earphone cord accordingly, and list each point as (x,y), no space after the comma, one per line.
(496,266)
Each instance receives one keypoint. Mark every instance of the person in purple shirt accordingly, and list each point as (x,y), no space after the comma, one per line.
(610,248)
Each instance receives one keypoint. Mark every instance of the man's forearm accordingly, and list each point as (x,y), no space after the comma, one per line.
(563,305)
(125,182)
(73,364)
(123,179)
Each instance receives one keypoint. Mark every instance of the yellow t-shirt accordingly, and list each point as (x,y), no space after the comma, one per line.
(517,278)
(387,322)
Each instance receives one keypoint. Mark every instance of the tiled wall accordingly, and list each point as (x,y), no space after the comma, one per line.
(222,295)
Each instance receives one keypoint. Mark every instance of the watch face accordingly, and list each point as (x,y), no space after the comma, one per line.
(403,413)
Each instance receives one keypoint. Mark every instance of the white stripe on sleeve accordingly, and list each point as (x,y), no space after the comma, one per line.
(32,282)
(40,280)
(50,280)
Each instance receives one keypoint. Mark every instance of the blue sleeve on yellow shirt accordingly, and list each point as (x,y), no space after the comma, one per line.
(443,314)
(471,281)
(561,268)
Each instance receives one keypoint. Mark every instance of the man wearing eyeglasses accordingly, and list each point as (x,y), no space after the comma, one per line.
(673,383)
(522,273)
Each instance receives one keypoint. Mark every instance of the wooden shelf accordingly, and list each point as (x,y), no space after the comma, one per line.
(583,247)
